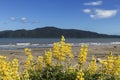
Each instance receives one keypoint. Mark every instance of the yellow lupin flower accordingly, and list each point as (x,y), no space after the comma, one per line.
(92,67)
(80,75)
(15,75)
(62,39)
(9,70)
(29,59)
(70,69)
(4,69)
(39,65)
(116,66)
(2,57)
(109,65)
(62,50)
(25,75)
(83,54)
(27,51)
(48,58)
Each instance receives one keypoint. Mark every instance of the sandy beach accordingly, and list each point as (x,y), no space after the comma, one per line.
(98,51)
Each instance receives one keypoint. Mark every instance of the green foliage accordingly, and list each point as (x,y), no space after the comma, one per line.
(88,76)
(52,73)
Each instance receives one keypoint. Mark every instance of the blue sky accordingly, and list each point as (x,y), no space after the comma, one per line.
(102,16)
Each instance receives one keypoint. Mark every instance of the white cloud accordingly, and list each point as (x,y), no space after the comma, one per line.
(94,3)
(99,13)
(24,19)
(87,10)
(92,16)
(13,18)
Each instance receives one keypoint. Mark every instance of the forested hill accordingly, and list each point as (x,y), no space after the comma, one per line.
(52,32)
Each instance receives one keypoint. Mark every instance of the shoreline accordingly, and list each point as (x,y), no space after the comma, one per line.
(98,51)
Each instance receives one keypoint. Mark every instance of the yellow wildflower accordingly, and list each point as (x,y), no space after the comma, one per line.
(92,67)
(83,54)
(107,65)
(48,58)
(15,75)
(27,51)
(62,50)
(29,59)
(39,65)
(80,75)
(116,66)
(25,75)
(70,69)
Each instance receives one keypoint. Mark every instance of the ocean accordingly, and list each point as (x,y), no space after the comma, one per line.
(20,43)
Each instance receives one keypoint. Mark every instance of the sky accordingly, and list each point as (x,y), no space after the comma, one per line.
(102,16)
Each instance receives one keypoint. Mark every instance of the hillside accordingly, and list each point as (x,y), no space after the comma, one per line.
(52,32)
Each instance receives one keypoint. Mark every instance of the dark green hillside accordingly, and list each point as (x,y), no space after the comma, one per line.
(52,32)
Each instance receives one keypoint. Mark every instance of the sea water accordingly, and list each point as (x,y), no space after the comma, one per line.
(20,43)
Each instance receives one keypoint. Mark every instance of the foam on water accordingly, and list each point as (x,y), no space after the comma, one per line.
(23,45)
(33,45)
